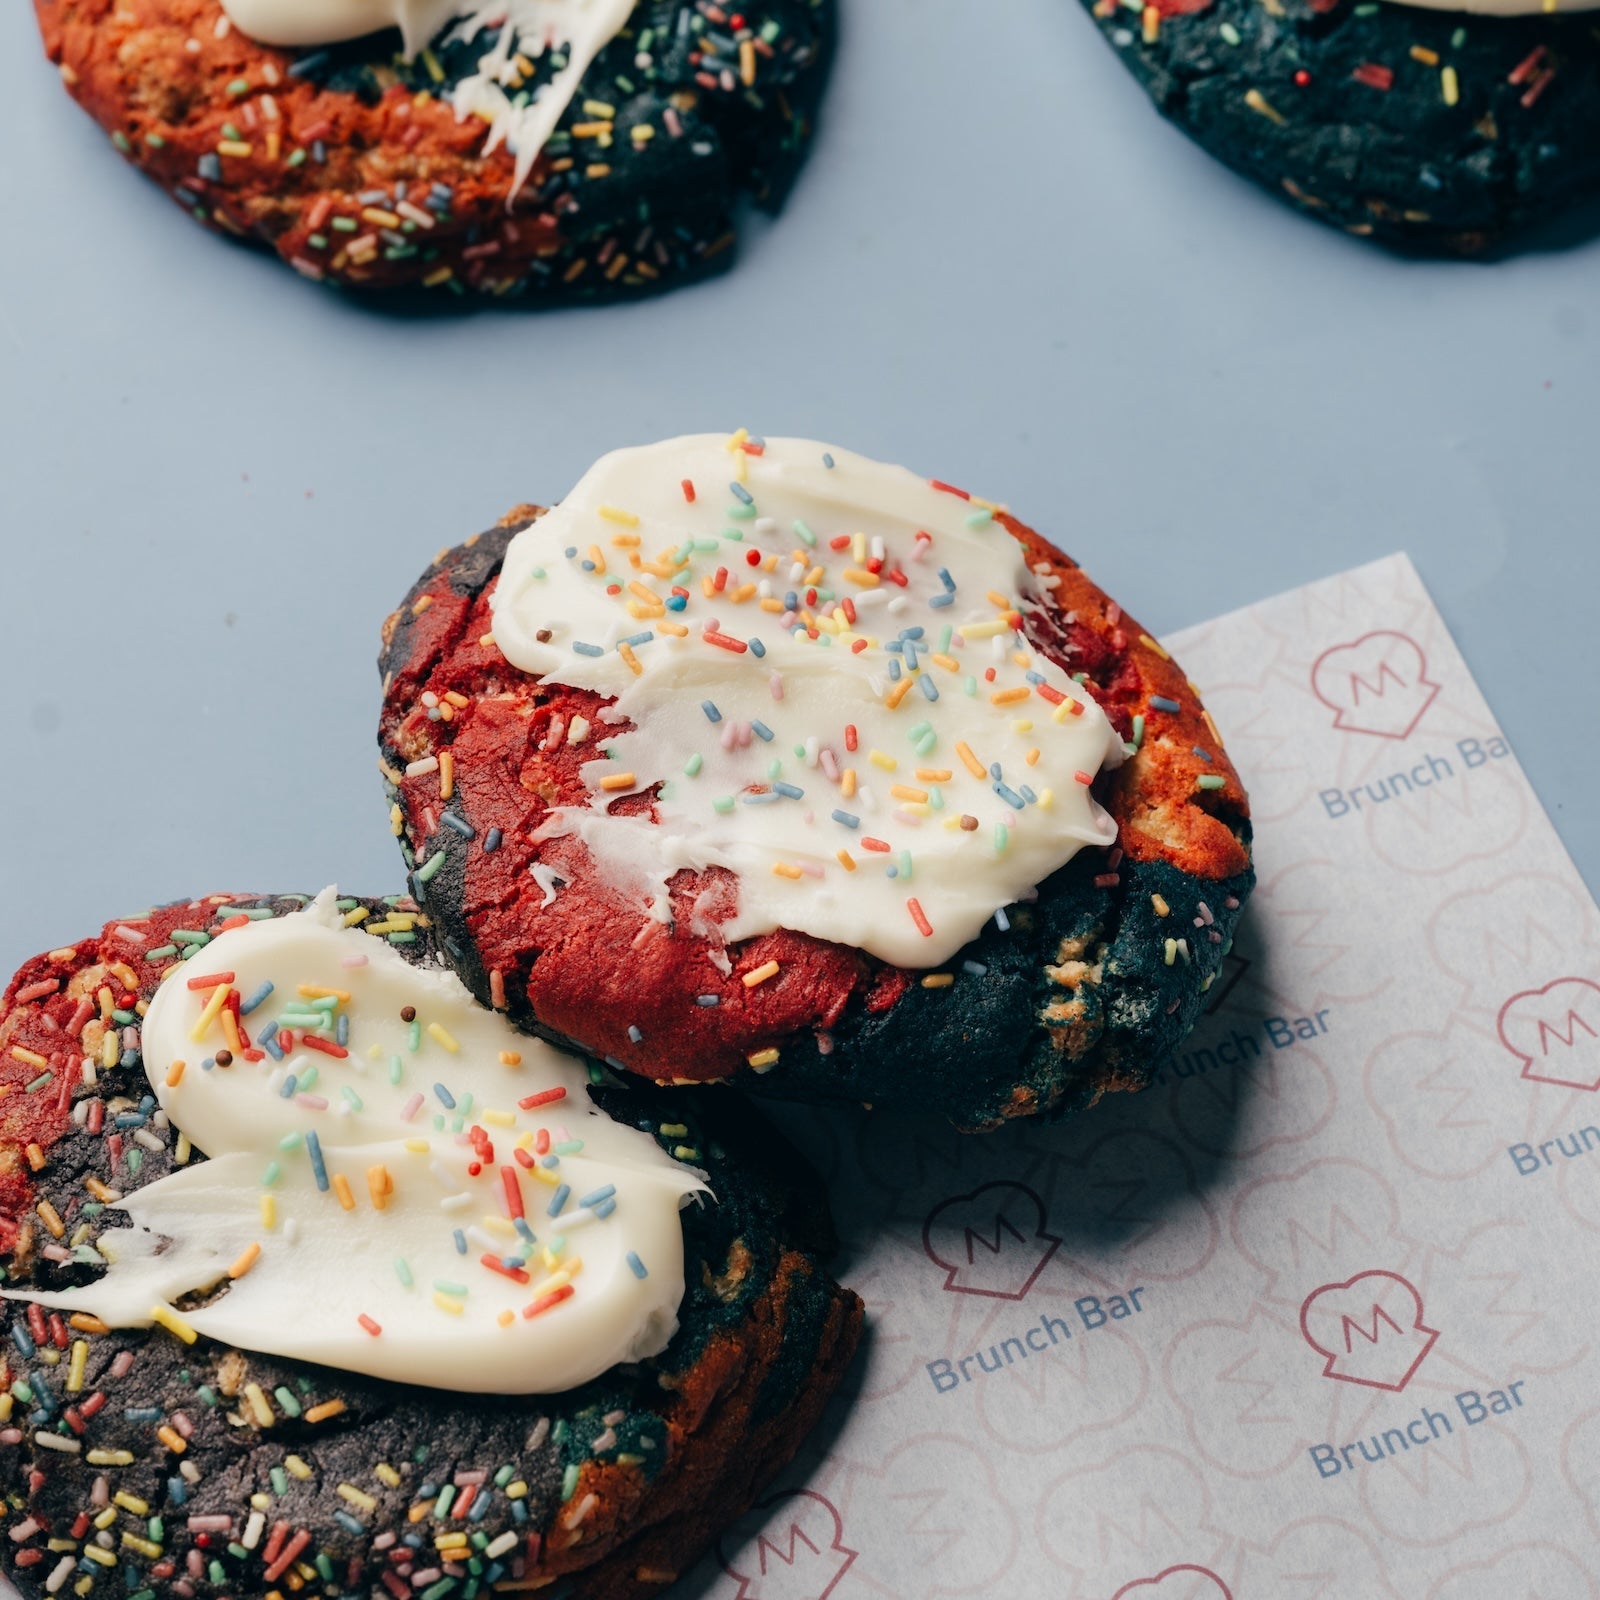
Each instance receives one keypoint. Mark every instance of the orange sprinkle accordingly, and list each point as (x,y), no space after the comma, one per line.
(447,774)
(175,1074)
(618,780)
(847,861)
(761,974)
(970,761)
(898,693)
(341,1187)
(1006,697)
(245,1262)
(904,791)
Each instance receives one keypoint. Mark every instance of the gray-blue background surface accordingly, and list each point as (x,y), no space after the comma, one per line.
(1001,267)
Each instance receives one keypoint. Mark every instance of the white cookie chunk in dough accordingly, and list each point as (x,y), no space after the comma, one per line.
(399,1184)
(830,690)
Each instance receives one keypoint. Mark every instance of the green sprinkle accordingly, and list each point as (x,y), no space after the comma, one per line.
(722,803)
(272,1174)
(804,534)
(569,1483)
(980,518)
(456,1291)
(287,1400)
(403,1272)
(1211,780)
(429,867)
(692,766)
(1002,837)
(1229,33)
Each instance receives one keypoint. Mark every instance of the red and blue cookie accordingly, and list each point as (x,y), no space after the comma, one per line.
(320,1277)
(759,760)
(1439,125)
(571,148)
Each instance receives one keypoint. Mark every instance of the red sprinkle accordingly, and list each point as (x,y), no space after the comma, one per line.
(752,558)
(723,642)
(545,1301)
(1054,696)
(687,486)
(924,927)
(371,1326)
(543,1098)
(508,1179)
(515,1274)
(875,844)
(858,647)
(850,736)
(1374,76)
(326,1046)
(950,488)
(1083,778)
(208,983)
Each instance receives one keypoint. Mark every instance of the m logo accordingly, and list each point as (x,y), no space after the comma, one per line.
(1555,1033)
(789,1546)
(1376,684)
(991,1242)
(1182,1582)
(1369,1329)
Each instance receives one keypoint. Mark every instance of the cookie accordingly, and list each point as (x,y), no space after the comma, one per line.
(798,871)
(1441,130)
(171,1467)
(362,165)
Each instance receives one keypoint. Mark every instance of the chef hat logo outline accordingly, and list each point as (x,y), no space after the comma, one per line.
(1553,1039)
(1145,1588)
(1380,1326)
(1376,684)
(803,1561)
(1003,1239)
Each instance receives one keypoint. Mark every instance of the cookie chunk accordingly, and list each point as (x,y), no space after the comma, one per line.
(199,1469)
(363,166)
(1079,983)
(1438,130)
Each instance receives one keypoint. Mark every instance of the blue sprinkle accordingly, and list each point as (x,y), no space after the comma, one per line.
(676,602)
(269,1042)
(177,1491)
(21,1338)
(571,551)
(767,799)
(491,841)
(913,633)
(1002,921)
(791,600)
(633,1033)
(595,1196)
(710,709)
(522,1226)
(143,1414)
(761,731)
(605,1208)
(791,790)
(894,670)
(445,1098)
(930,690)
(1034,677)
(287,1091)
(341,1032)
(1203,754)
(1010,796)
(994,770)
(637,638)
(636,1265)
(941,600)
(741,494)
(891,871)
(1029,795)
(255,1000)
(460,1242)
(708,999)
(588,566)
(827,459)
(558,1200)
(947,580)
(459,824)
(587,649)
(209,168)
(351,1525)
(976,968)
(1162,703)
(318,1166)
(848,820)
(757,649)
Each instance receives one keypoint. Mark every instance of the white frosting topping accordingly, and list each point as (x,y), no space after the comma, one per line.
(350,1193)
(820,660)
(580,28)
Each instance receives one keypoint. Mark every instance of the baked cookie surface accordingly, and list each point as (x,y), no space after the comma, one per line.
(1437,130)
(352,164)
(1083,989)
(195,1470)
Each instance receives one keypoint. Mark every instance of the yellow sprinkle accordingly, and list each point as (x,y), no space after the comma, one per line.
(1067,708)
(110,1050)
(506,1318)
(763,1058)
(938,980)
(328,1408)
(1429,58)
(386,1475)
(445,1303)
(173,1323)
(625,518)
(761,974)
(1259,102)
(1171,951)
(269,1213)
(1150,644)
(499,1119)
(879,759)
(131,1502)
(983,630)
(77,1366)
(418,1147)
(30,1058)
(970,761)
(676,629)
(296,1468)
(857,575)
(102,1558)
(1449,85)
(356,1497)
(219,998)
(341,1187)
(147,1548)
(617,780)
(1161,906)
(246,1261)
(440,1036)
(233,147)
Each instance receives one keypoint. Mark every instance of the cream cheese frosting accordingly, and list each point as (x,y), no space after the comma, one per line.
(580,28)
(429,1198)
(819,670)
